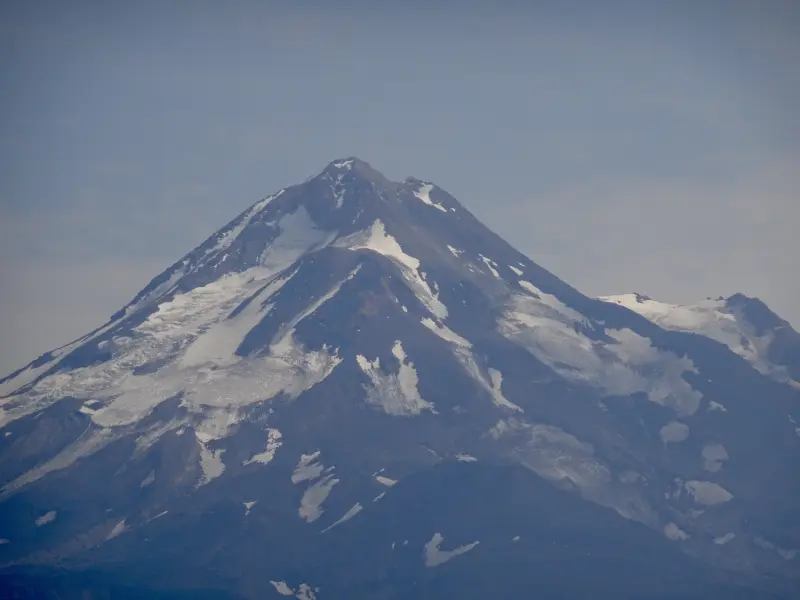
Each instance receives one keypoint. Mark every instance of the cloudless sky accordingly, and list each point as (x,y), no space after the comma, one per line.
(626,146)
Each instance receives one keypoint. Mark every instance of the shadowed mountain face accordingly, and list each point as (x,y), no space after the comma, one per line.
(356,390)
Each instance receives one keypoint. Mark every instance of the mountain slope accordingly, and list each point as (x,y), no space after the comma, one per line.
(353,360)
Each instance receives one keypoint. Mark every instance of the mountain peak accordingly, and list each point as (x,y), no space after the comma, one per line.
(359,168)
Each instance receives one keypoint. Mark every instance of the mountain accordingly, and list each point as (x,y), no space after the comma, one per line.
(356,390)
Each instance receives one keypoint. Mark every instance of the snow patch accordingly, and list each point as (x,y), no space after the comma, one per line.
(84,446)
(118,529)
(424,194)
(151,477)
(463,352)
(674,432)
(455,251)
(444,332)
(465,458)
(711,318)
(767,545)
(29,374)
(282,588)
(307,468)
(724,539)
(712,406)
(248,506)
(563,459)
(708,493)
(205,373)
(551,331)
(435,556)
(516,270)
(396,393)
(211,463)
(274,442)
(714,457)
(496,378)
(491,265)
(354,510)
(218,343)
(377,240)
(311,503)
(46,518)
(675,533)
(555,454)
(385,480)
(229,236)
(305,592)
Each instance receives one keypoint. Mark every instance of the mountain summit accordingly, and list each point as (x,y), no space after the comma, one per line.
(356,390)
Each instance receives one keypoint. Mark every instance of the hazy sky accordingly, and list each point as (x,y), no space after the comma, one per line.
(639,146)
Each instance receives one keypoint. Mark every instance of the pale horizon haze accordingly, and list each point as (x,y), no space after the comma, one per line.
(624,146)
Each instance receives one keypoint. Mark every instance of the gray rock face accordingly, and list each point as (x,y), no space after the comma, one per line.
(356,390)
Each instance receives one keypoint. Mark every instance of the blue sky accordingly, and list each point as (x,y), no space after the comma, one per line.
(626,146)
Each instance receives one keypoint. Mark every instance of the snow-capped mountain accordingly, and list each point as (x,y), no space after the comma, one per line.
(356,390)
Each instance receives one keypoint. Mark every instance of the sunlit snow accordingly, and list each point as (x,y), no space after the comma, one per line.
(282,588)
(274,442)
(710,318)
(708,493)
(724,539)
(768,545)
(424,194)
(435,556)
(46,518)
(396,393)
(490,264)
(151,477)
(714,457)
(311,503)
(462,348)
(206,373)
(496,378)
(675,533)
(307,468)
(227,236)
(674,432)
(550,330)
(377,240)
(344,164)
(354,510)
(118,529)
(211,463)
